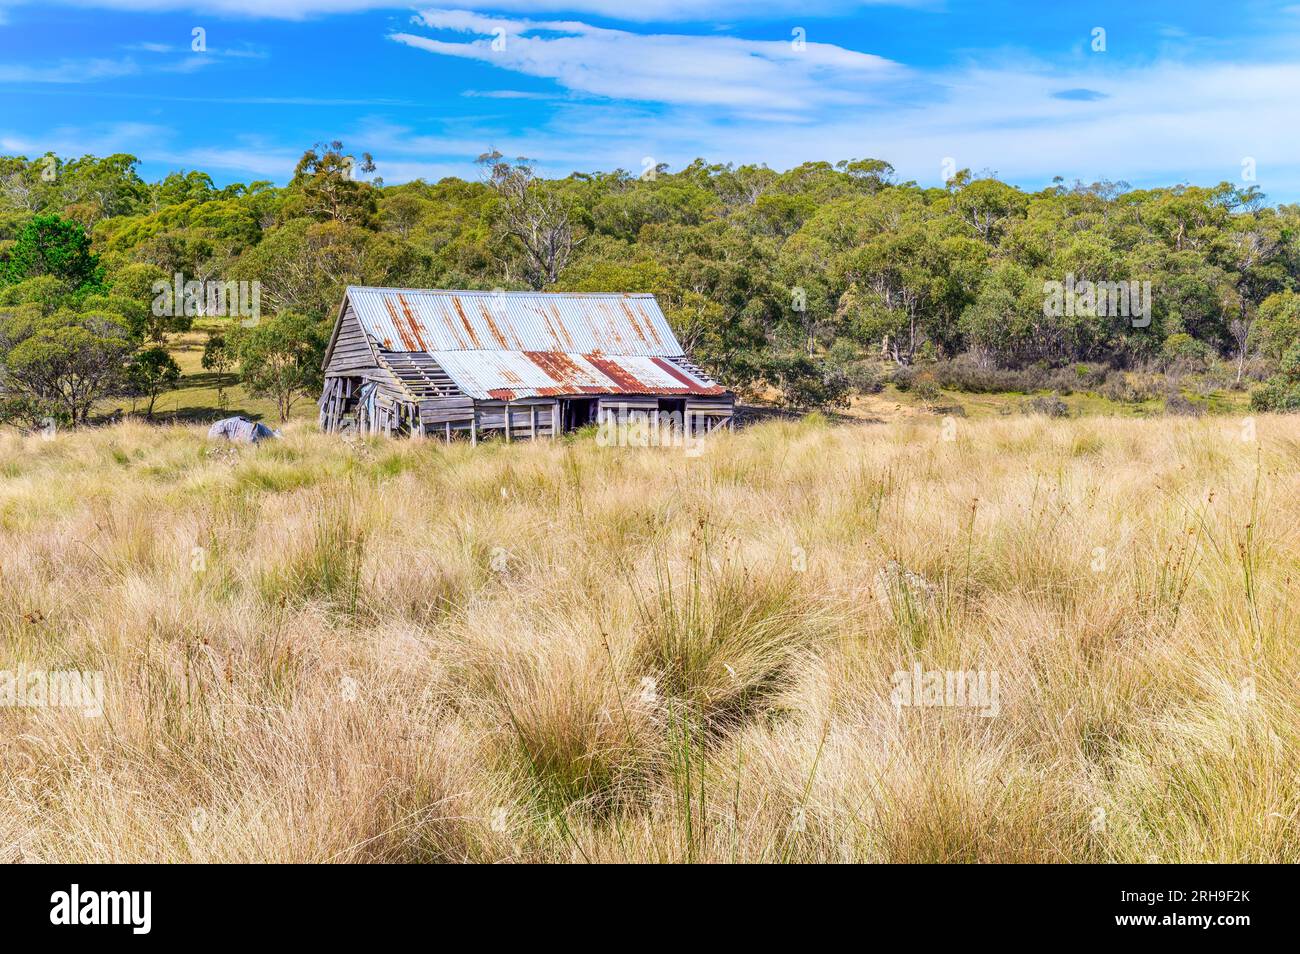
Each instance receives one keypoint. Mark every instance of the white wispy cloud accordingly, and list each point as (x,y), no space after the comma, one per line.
(692,11)
(771,77)
(252,9)
(637,11)
(505,94)
(100,140)
(275,163)
(67,71)
(239,53)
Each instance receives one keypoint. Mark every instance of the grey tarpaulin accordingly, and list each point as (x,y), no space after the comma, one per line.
(241,430)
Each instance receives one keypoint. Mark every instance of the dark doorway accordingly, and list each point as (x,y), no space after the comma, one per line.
(576,413)
(671,429)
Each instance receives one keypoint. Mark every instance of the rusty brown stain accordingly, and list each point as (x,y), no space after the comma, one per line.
(502,394)
(455,301)
(413,327)
(450,325)
(570,378)
(486,312)
(610,326)
(620,375)
(649,325)
(558,366)
(555,334)
(568,340)
(407,341)
(632,320)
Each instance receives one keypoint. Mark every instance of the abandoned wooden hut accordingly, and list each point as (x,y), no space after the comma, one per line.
(516,364)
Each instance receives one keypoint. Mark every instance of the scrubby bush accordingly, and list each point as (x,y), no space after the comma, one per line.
(1087,375)
(861,376)
(972,375)
(965,373)
(902,377)
(1177,403)
(1050,405)
(865,378)
(1282,391)
(926,388)
(1129,387)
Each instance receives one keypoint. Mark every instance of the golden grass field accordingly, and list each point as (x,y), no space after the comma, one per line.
(401,651)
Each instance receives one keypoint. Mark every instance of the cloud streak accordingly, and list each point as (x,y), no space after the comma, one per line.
(67,71)
(636,11)
(767,77)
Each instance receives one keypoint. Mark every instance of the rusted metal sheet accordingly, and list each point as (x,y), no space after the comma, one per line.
(508,375)
(433,320)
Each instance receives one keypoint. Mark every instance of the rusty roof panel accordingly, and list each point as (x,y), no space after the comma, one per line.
(434,320)
(507,375)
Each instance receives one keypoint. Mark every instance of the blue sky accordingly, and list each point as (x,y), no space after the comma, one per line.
(1178,92)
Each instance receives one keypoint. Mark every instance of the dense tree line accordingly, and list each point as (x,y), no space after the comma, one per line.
(801,286)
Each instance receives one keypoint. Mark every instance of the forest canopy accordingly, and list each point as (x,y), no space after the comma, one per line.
(800,286)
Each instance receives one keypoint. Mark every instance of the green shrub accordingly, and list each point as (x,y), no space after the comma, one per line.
(1282,391)
(926,389)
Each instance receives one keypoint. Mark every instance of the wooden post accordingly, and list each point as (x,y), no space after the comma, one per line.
(330,411)
(449,432)
(555,419)
(473,428)
(507,412)
(532,421)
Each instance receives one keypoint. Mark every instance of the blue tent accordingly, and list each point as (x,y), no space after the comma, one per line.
(240,430)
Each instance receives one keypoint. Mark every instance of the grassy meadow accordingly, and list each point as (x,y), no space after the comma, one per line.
(318,650)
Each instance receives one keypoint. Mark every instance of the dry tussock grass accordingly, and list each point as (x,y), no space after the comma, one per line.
(409,652)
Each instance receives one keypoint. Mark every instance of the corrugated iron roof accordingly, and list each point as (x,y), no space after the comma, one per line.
(421,319)
(508,375)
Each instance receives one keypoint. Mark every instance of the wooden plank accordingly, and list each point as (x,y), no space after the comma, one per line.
(620,404)
(439,410)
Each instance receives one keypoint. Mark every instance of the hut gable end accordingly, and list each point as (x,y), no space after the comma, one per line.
(350,348)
